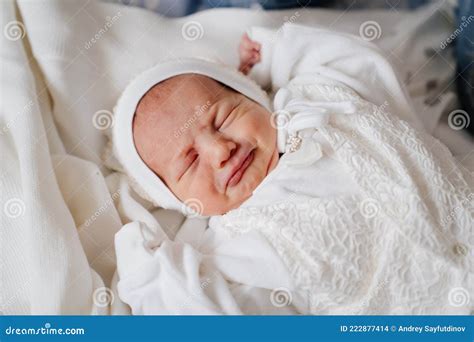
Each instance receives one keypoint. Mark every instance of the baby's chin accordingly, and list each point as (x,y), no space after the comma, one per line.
(240,192)
(235,196)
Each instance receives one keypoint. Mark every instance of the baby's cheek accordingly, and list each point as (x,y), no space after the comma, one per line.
(252,128)
(189,188)
(203,185)
(214,202)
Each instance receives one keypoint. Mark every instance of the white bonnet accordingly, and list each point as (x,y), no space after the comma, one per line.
(144,180)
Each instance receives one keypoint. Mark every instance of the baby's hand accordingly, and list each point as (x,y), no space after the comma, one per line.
(249,52)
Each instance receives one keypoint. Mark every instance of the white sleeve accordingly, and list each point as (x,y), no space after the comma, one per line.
(301,55)
(178,278)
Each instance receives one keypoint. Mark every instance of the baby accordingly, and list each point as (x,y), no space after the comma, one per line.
(317,207)
(227,150)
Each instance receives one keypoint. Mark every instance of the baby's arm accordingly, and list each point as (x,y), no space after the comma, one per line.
(202,272)
(168,280)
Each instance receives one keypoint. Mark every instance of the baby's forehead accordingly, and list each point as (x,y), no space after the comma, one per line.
(178,96)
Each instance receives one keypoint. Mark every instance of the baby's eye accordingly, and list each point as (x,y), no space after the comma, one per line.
(226,120)
(190,159)
(193,160)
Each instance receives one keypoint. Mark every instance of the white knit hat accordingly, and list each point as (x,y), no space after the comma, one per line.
(144,180)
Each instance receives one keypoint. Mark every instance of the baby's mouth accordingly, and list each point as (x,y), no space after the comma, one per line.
(237,176)
(237,168)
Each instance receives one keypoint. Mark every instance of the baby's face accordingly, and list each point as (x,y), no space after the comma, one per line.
(205,141)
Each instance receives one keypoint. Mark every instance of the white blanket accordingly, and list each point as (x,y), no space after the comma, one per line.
(64,64)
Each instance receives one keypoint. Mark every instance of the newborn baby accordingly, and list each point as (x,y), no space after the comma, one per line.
(227,150)
(331,200)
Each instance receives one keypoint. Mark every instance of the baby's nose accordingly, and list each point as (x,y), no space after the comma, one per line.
(222,151)
(219,150)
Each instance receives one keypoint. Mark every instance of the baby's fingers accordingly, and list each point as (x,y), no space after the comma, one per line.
(249,44)
(255,45)
(256,57)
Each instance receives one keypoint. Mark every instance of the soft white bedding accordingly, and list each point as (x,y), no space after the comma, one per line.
(60,213)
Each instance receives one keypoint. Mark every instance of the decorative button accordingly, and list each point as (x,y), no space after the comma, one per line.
(294,141)
(460,249)
(308,153)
